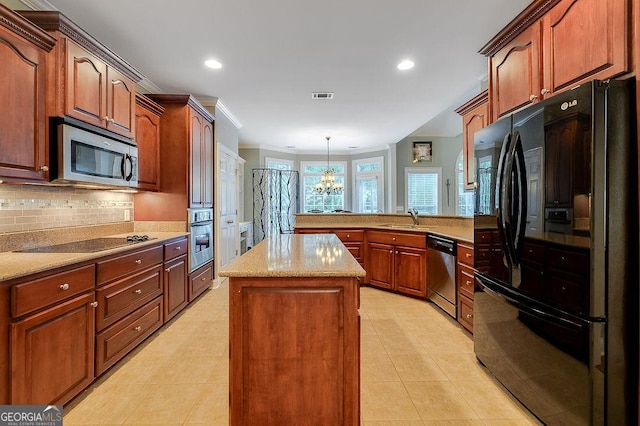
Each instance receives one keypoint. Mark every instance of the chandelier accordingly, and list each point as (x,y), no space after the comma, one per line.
(328,184)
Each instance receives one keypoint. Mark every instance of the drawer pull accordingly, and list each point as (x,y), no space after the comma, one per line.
(93,304)
(138,328)
(177,248)
(138,262)
(394,238)
(468,255)
(348,236)
(469,316)
(468,282)
(64,286)
(203,279)
(167,270)
(138,291)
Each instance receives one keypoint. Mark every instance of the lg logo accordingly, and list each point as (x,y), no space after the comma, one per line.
(566,105)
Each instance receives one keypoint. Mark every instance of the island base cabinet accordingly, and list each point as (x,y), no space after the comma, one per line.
(294,351)
(52,353)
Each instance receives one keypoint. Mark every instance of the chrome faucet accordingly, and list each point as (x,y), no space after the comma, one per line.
(414,216)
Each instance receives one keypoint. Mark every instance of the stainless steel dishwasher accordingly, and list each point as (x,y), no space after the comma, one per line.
(441,273)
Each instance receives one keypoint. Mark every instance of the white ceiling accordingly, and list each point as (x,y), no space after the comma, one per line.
(275,53)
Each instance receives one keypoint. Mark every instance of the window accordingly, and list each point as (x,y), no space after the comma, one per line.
(368,177)
(464,200)
(422,189)
(311,171)
(278,163)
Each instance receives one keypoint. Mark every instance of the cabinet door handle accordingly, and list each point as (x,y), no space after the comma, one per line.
(105,118)
(391,251)
(138,328)
(544,91)
(44,168)
(468,282)
(64,286)
(138,291)
(533,98)
(138,262)
(468,255)
(93,304)
(469,316)
(168,270)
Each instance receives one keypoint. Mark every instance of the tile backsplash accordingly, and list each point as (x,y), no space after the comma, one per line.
(33,207)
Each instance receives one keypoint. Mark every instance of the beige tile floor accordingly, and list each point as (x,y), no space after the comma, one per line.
(417,366)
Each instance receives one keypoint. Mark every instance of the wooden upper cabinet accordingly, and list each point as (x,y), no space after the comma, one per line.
(148,140)
(475,116)
(516,73)
(86,80)
(583,40)
(201,161)
(23,59)
(555,45)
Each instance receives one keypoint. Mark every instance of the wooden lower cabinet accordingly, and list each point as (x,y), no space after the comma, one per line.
(466,284)
(397,261)
(294,351)
(116,341)
(175,286)
(200,280)
(52,352)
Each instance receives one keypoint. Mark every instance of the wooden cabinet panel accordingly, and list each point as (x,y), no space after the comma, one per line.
(33,295)
(583,40)
(85,84)
(465,255)
(475,116)
(417,240)
(121,101)
(349,235)
(516,76)
(294,351)
(148,142)
(127,264)
(23,61)
(175,249)
(175,287)
(200,280)
(207,164)
(116,341)
(196,151)
(117,300)
(58,340)
(465,313)
(380,267)
(465,281)
(411,271)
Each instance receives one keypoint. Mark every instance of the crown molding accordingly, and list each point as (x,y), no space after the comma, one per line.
(149,86)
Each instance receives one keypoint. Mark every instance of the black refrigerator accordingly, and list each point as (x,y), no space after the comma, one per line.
(556,300)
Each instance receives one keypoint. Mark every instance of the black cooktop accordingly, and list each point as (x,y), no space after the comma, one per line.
(90,246)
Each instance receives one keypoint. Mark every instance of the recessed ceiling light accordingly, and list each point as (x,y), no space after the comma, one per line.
(406,65)
(212,63)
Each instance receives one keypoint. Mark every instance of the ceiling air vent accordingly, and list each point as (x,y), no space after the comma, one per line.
(322,95)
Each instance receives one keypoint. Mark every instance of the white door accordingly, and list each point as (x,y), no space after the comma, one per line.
(227,238)
(535,213)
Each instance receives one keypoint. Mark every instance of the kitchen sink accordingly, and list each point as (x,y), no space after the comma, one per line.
(404,226)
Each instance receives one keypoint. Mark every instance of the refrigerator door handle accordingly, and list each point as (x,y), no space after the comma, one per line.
(507,202)
(503,212)
(521,201)
(545,316)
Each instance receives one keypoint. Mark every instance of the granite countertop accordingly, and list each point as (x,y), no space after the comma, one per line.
(296,255)
(18,264)
(459,233)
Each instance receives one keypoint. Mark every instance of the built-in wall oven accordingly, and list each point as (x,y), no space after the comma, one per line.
(200,222)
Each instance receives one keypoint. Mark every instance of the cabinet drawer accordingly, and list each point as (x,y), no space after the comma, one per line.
(465,254)
(465,313)
(465,281)
(356,249)
(128,264)
(532,252)
(346,235)
(117,300)
(116,341)
(200,280)
(175,249)
(569,260)
(33,295)
(398,238)
(482,237)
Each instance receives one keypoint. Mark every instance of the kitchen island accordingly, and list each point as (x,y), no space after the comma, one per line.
(294,332)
